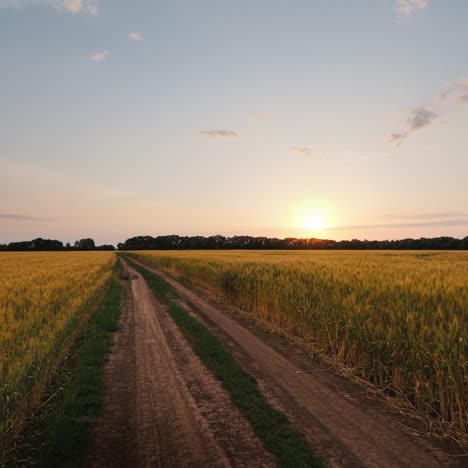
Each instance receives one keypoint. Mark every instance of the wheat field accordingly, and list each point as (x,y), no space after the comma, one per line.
(45,297)
(397,319)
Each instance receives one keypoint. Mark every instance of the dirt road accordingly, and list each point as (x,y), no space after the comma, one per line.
(344,424)
(163,407)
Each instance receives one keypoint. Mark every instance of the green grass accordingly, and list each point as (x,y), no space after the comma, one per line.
(271,426)
(62,435)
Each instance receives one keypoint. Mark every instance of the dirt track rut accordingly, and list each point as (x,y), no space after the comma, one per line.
(344,426)
(163,407)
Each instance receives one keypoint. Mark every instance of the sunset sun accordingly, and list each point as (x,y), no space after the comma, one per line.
(314,223)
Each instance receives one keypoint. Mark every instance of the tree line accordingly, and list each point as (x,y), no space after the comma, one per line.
(174,242)
(40,244)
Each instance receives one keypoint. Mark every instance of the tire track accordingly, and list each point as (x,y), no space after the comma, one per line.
(163,407)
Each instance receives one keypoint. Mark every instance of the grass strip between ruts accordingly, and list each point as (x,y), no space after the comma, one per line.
(270,425)
(62,435)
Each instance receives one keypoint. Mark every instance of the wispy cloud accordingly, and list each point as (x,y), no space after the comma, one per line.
(453,92)
(73,6)
(302,149)
(423,116)
(418,118)
(459,85)
(99,56)
(406,7)
(219,134)
(135,36)
(438,215)
(411,221)
(396,138)
(20,217)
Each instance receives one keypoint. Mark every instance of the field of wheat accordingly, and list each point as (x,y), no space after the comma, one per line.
(397,319)
(45,298)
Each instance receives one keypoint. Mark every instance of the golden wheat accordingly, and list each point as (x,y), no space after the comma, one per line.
(44,300)
(398,319)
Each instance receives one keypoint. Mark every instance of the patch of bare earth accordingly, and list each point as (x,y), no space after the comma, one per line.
(163,407)
(344,423)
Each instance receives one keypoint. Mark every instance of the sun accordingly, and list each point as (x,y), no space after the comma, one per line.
(312,218)
(314,223)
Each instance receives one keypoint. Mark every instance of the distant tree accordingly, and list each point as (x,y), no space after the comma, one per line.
(105,247)
(19,246)
(248,242)
(38,244)
(85,244)
(463,244)
(46,244)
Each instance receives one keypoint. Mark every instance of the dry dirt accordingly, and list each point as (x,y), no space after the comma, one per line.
(163,407)
(341,421)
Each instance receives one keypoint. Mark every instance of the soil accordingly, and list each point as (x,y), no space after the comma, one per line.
(163,407)
(343,423)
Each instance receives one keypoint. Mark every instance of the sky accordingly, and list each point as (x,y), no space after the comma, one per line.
(306,118)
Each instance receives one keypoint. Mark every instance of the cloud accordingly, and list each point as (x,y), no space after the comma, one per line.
(19,217)
(397,138)
(135,36)
(72,6)
(99,56)
(302,149)
(420,117)
(411,221)
(219,134)
(454,90)
(460,85)
(427,216)
(406,7)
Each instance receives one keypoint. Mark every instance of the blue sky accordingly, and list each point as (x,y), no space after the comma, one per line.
(332,118)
